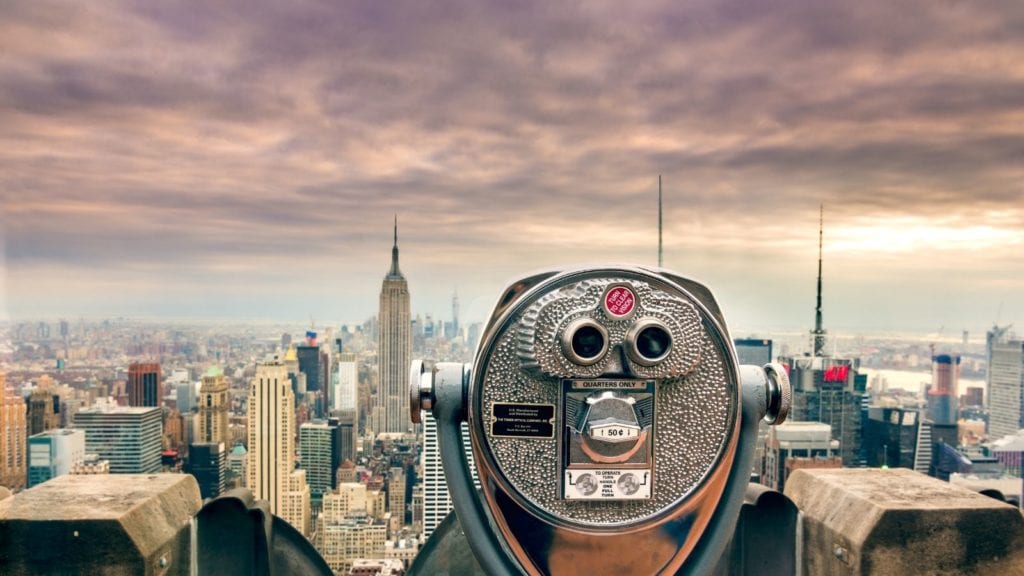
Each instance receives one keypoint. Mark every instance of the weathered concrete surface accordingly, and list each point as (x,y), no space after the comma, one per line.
(103,524)
(4,501)
(897,521)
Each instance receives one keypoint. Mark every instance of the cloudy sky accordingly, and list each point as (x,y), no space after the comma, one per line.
(245,158)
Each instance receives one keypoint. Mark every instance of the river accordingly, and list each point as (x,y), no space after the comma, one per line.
(915,381)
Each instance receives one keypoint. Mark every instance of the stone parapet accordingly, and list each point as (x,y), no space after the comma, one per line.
(861,521)
(110,524)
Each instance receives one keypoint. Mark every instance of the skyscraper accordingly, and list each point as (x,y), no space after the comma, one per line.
(1006,388)
(271,443)
(128,437)
(828,389)
(394,348)
(208,462)
(942,397)
(348,435)
(396,497)
(943,412)
(346,393)
(185,393)
(314,363)
(755,351)
(320,455)
(237,466)
(993,336)
(437,502)
(213,408)
(454,332)
(898,437)
(43,411)
(144,384)
(13,438)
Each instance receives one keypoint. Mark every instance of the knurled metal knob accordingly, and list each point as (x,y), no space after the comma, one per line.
(779,393)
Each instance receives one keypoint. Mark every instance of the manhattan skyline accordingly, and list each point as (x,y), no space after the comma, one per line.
(246,160)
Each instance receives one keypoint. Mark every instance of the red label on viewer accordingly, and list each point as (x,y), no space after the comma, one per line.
(619,301)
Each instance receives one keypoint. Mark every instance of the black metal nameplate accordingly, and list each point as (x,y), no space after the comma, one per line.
(523,420)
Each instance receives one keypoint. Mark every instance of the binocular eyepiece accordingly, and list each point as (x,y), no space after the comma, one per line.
(611,426)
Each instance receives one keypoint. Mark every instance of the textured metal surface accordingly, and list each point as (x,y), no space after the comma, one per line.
(541,326)
(696,399)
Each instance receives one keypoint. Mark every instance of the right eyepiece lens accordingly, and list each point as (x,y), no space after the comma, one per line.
(588,342)
(653,342)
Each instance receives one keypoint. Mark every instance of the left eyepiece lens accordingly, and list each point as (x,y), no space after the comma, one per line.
(585,342)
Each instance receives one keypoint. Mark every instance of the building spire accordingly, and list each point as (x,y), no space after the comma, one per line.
(819,330)
(395,273)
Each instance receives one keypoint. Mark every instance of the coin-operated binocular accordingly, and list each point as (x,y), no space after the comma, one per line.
(612,429)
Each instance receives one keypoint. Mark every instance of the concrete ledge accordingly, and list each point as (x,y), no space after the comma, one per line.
(104,524)
(897,521)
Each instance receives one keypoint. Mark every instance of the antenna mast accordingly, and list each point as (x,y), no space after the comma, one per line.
(819,331)
(659,220)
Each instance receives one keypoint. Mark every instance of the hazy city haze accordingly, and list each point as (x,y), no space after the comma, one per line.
(245,159)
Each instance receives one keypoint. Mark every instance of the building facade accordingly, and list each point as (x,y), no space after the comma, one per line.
(128,437)
(396,497)
(314,364)
(43,411)
(13,438)
(394,348)
(52,453)
(755,351)
(1006,388)
(891,438)
(831,391)
(320,455)
(213,408)
(795,445)
(271,452)
(340,540)
(437,502)
(295,503)
(208,462)
(185,396)
(237,466)
(92,464)
(144,384)
(346,393)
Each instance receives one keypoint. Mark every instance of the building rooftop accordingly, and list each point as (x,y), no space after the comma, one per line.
(1010,443)
(115,409)
(58,432)
(802,432)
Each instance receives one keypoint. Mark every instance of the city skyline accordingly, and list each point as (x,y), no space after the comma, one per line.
(246,162)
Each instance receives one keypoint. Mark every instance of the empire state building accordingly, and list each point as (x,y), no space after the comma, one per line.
(394,347)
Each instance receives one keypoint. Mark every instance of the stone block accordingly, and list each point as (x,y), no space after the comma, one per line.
(897,521)
(103,524)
